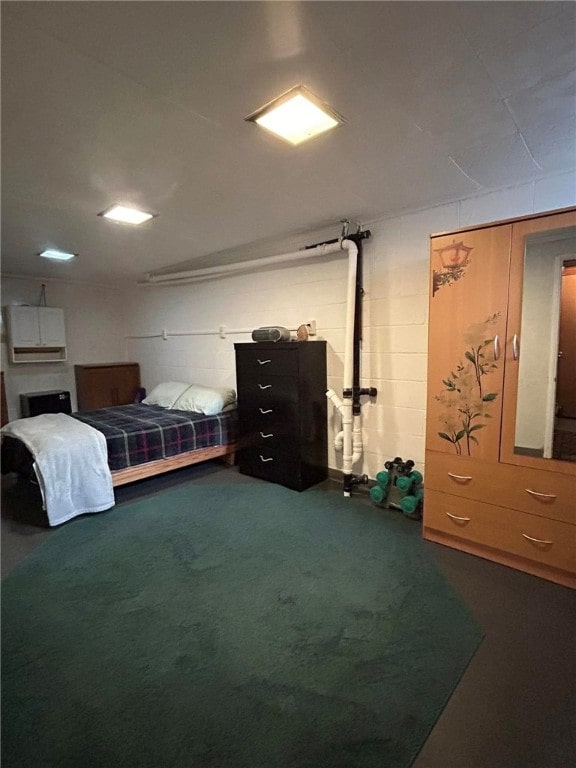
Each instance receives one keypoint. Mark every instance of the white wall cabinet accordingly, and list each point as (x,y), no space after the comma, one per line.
(36,334)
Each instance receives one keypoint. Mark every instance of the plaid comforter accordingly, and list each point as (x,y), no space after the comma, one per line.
(139,433)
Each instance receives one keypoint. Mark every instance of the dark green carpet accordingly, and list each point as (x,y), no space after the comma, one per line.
(229,626)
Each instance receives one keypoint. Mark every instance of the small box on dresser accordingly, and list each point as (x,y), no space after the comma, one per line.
(283,412)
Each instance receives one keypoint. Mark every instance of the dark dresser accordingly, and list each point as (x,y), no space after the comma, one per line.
(283,412)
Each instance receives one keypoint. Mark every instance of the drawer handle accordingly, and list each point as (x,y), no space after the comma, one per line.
(265,436)
(455,517)
(515,350)
(263,362)
(459,477)
(267,410)
(540,495)
(265,460)
(264,386)
(496,347)
(538,541)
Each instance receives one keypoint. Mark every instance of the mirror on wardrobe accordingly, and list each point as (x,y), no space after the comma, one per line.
(546,405)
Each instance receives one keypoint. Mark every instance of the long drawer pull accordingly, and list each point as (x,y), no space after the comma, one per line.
(459,477)
(496,347)
(455,517)
(540,495)
(263,362)
(538,541)
(264,386)
(265,436)
(267,410)
(270,458)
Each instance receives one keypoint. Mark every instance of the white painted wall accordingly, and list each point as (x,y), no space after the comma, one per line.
(95,331)
(394,355)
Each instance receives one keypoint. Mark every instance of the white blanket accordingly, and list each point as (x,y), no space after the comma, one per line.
(71,463)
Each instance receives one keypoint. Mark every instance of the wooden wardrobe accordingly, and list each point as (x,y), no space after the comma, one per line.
(499,483)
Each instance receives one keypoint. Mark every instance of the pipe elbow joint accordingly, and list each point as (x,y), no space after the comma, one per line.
(334,399)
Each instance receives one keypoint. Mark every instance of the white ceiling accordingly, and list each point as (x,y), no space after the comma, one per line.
(144,103)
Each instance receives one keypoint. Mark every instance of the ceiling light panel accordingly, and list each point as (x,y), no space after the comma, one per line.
(296,116)
(126,215)
(51,253)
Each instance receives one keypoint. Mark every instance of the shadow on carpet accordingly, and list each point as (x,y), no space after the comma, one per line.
(228,626)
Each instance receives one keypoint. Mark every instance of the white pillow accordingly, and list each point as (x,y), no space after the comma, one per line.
(206,400)
(166,394)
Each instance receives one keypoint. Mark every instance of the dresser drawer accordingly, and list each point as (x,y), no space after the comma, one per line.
(263,389)
(530,537)
(271,464)
(282,438)
(278,418)
(549,494)
(253,361)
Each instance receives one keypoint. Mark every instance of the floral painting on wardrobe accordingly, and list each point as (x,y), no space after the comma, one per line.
(467,399)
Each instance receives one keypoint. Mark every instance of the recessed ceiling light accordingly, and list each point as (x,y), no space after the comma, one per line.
(296,116)
(50,253)
(126,215)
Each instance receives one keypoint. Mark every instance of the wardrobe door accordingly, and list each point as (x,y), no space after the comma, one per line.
(538,428)
(468,304)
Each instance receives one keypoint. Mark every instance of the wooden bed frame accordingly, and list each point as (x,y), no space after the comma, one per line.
(23,463)
(152,468)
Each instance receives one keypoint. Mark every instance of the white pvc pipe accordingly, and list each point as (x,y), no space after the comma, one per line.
(348,457)
(222,332)
(333,397)
(339,441)
(349,440)
(356,440)
(337,403)
(224,269)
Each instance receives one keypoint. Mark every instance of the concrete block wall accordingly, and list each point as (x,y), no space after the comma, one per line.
(94,319)
(395,313)
(100,319)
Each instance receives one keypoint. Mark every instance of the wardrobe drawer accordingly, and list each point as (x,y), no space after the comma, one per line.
(253,362)
(549,542)
(549,494)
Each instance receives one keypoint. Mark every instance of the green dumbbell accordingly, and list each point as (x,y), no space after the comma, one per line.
(377,493)
(404,484)
(382,478)
(410,504)
(416,477)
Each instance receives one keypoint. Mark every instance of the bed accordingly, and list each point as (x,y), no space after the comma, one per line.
(145,439)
